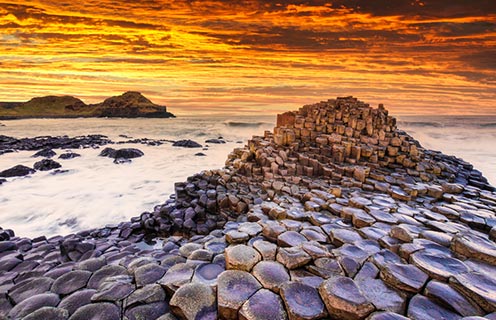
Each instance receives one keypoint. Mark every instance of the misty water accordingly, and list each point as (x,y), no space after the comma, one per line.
(95,191)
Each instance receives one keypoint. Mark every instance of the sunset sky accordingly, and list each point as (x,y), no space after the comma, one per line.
(424,57)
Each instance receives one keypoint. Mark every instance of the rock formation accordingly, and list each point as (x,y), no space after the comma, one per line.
(336,214)
(131,104)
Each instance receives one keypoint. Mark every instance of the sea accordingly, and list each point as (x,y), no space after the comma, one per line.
(95,192)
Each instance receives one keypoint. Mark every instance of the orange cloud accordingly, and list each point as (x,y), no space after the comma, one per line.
(248,56)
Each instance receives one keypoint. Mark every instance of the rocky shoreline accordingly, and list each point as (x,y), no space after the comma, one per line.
(336,214)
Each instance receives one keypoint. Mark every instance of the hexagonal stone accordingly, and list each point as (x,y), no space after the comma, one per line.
(264,304)
(32,304)
(207,273)
(446,295)
(177,276)
(386,316)
(194,301)
(305,277)
(270,274)
(188,248)
(438,267)
(148,311)
(29,288)
(76,300)
(107,271)
(234,287)
(48,313)
(148,294)
(241,257)
(422,308)
(148,274)
(235,237)
(340,236)
(479,287)
(302,301)
(474,246)
(92,264)
(71,281)
(382,297)
(404,277)
(267,249)
(343,299)
(293,258)
(97,311)
(251,228)
(290,239)
(114,289)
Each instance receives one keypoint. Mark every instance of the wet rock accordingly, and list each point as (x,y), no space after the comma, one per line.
(128,153)
(438,267)
(70,282)
(108,271)
(290,239)
(264,304)
(148,274)
(302,301)
(292,258)
(186,144)
(381,296)
(32,304)
(194,301)
(215,141)
(422,308)
(267,249)
(343,299)
(148,294)
(114,289)
(16,171)
(69,155)
(46,164)
(207,273)
(447,296)
(149,311)
(473,246)
(241,257)
(404,277)
(76,300)
(477,286)
(234,288)
(270,274)
(177,276)
(386,316)
(45,153)
(48,313)
(97,311)
(28,288)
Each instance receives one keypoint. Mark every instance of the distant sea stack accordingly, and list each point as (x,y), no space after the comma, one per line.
(131,104)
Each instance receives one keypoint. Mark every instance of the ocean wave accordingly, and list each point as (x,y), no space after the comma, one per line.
(488,125)
(240,124)
(421,124)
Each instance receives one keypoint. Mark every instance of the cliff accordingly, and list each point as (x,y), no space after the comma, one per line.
(128,105)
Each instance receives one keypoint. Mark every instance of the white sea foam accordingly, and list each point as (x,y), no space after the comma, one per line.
(96,192)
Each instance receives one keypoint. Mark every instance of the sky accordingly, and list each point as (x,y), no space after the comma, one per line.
(251,57)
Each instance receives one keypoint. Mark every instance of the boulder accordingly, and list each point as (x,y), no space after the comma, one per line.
(194,301)
(302,301)
(46,164)
(16,171)
(264,304)
(234,288)
(344,299)
(186,144)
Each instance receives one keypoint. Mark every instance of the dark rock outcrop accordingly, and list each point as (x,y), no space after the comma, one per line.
(186,144)
(16,171)
(46,164)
